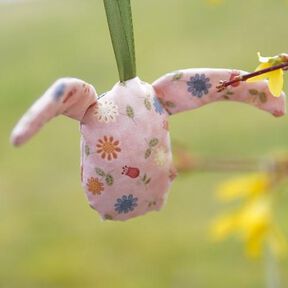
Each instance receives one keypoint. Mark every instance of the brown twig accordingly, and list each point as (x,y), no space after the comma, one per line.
(187,162)
(223,84)
(204,164)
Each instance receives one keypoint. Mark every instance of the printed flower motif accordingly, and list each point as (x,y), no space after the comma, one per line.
(59,91)
(160,156)
(158,106)
(108,148)
(106,111)
(275,78)
(199,85)
(132,172)
(95,186)
(125,204)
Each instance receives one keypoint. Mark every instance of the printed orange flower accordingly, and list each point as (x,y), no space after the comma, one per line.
(108,148)
(95,186)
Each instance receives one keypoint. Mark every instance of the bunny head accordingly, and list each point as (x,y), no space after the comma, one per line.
(126,159)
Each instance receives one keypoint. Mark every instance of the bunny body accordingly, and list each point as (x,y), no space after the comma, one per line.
(126,160)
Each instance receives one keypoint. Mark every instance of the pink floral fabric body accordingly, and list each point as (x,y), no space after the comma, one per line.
(126,159)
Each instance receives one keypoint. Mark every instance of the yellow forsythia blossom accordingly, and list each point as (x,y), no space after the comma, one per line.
(251,185)
(253,222)
(275,78)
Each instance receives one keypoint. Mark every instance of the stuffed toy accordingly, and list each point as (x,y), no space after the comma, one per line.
(126,159)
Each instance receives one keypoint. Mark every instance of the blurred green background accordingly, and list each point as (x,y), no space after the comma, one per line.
(49,237)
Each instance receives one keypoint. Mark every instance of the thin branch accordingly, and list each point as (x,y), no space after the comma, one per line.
(186,162)
(223,84)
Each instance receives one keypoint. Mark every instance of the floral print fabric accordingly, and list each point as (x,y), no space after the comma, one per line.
(199,85)
(135,153)
(106,111)
(108,147)
(192,88)
(126,159)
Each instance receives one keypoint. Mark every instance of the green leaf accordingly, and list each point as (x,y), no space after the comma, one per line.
(119,17)
(109,179)
(153,142)
(169,104)
(108,217)
(253,91)
(147,104)
(177,76)
(130,112)
(263,97)
(147,181)
(100,172)
(148,153)
(87,150)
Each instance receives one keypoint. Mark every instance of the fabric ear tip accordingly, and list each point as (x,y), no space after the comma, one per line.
(16,139)
(279,113)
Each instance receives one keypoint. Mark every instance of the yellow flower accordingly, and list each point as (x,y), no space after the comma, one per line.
(252,223)
(275,78)
(246,186)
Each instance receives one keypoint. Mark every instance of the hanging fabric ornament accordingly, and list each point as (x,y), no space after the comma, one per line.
(126,159)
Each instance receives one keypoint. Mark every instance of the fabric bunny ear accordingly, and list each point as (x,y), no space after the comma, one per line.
(67,96)
(189,89)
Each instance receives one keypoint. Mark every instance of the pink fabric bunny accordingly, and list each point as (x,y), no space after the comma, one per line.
(126,159)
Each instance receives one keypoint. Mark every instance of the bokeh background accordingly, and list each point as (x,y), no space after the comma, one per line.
(49,237)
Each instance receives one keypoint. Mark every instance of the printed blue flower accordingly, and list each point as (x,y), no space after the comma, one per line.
(158,106)
(59,91)
(199,85)
(125,204)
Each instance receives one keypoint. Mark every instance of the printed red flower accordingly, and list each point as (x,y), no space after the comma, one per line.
(132,172)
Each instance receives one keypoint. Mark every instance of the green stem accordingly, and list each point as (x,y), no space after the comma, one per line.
(119,17)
